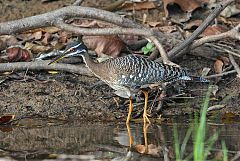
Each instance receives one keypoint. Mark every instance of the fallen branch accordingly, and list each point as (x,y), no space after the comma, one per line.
(57,18)
(233,33)
(43,65)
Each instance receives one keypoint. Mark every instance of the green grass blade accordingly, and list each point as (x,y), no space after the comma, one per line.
(176,143)
(201,130)
(225,151)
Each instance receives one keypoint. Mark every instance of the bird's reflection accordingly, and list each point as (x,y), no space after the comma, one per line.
(131,141)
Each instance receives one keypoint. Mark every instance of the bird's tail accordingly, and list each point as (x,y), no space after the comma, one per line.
(199,79)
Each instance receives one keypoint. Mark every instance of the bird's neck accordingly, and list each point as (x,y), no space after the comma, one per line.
(94,67)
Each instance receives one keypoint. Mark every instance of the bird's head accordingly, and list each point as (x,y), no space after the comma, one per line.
(75,48)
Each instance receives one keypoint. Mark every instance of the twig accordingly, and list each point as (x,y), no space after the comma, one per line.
(78,2)
(236,157)
(236,66)
(200,29)
(233,33)
(43,65)
(222,49)
(221,74)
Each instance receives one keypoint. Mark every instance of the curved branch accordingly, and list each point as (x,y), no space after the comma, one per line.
(48,19)
(233,33)
(43,65)
(102,31)
(57,17)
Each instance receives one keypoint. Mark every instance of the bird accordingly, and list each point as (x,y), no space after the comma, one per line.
(129,74)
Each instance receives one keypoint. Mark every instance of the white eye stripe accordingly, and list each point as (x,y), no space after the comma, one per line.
(76,46)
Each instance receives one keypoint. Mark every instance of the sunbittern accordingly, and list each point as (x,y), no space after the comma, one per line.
(128,74)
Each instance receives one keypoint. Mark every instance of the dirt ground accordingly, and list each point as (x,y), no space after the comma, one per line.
(73,96)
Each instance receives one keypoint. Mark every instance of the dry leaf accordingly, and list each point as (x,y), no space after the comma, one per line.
(218,66)
(9,40)
(37,48)
(46,38)
(50,30)
(37,35)
(64,36)
(108,45)
(153,24)
(6,118)
(139,5)
(193,24)
(213,30)
(16,54)
(166,29)
(3,45)
(152,149)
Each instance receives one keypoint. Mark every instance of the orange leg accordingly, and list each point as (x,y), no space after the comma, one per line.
(129,110)
(129,135)
(145,117)
(145,128)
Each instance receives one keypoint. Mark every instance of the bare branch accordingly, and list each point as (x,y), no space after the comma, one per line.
(200,29)
(233,33)
(43,65)
(221,74)
(236,66)
(50,18)
(57,17)
(102,31)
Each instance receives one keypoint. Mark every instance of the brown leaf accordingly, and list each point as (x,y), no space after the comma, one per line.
(46,38)
(139,5)
(166,29)
(152,149)
(64,36)
(213,30)
(108,45)
(5,128)
(3,45)
(37,35)
(153,24)
(6,118)
(18,54)
(9,40)
(218,66)
(50,30)
(36,48)
(193,24)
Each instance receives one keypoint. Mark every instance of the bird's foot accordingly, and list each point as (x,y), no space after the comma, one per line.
(145,118)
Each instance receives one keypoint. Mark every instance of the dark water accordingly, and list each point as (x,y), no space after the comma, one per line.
(48,139)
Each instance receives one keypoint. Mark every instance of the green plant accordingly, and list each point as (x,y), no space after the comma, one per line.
(148,48)
(201,147)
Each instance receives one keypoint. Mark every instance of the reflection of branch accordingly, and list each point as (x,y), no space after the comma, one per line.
(57,17)
(43,65)
(200,29)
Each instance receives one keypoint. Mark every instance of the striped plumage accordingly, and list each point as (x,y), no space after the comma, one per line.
(129,74)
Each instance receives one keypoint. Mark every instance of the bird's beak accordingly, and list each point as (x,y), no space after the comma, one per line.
(66,53)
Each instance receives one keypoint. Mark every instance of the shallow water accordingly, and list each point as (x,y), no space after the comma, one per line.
(40,139)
